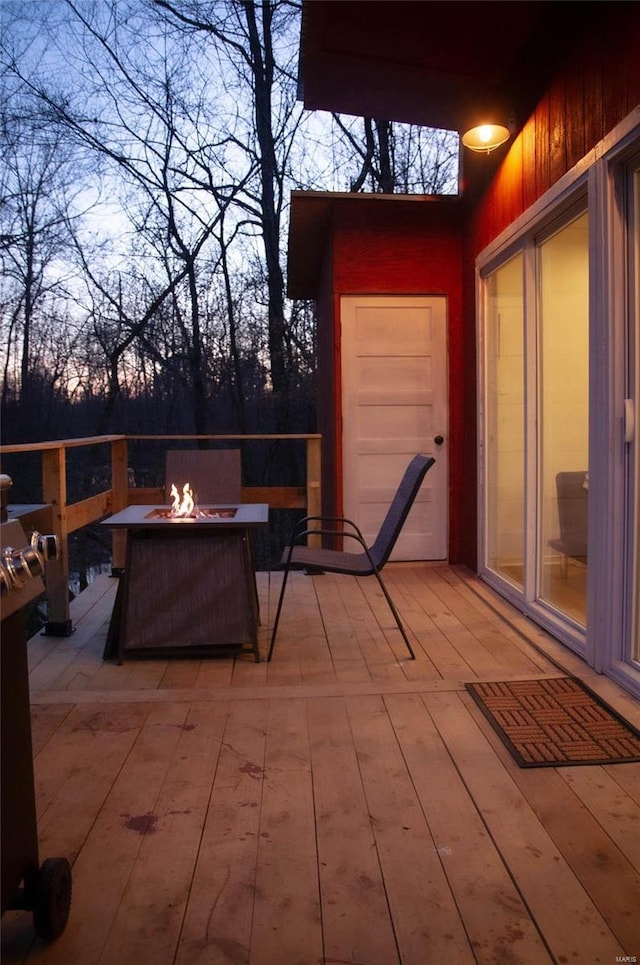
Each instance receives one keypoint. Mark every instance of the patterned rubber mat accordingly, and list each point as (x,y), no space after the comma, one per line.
(556,721)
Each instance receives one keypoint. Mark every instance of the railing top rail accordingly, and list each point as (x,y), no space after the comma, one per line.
(96,440)
(237,435)
(59,443)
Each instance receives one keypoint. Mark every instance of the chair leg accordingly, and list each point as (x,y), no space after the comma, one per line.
(277,618)
(396,614)
(386,595)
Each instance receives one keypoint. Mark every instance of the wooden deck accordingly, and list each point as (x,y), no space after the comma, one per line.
(342,804)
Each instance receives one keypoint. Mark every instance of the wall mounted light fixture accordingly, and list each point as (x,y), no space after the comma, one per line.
(485,138)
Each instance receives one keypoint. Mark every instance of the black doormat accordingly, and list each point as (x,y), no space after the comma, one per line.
(556,721)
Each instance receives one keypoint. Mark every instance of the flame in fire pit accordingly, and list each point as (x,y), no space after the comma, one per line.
(184,506)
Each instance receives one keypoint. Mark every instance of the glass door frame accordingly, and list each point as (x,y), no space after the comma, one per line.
(552,220)
(617,594)
(600,181)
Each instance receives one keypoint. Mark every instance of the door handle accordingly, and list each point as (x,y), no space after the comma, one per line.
(629,421)
(438,440)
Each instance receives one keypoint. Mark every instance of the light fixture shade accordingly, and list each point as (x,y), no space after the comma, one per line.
(485,138)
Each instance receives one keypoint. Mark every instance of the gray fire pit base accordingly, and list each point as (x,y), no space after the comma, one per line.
(183,593)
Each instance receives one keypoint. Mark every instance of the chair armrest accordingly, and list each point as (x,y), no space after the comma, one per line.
(358,537)
(326,519)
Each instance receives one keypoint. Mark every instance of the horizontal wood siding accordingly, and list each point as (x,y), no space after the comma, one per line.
(396,248)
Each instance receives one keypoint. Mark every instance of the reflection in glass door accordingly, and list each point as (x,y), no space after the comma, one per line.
(634,401)
(505,437)
(536,374)
(563,287)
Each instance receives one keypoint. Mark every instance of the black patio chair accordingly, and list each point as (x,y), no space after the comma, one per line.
(371,560)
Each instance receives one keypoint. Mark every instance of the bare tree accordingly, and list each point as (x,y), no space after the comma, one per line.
(38,182)
(185,110)
(246,30)
(397,158)
(154,131)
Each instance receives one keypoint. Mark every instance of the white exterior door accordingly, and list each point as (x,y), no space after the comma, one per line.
(394,405)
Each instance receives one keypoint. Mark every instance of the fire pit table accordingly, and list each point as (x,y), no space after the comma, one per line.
(188,586)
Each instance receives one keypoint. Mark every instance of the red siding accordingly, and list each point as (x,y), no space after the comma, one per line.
(598,85)
(396,251)
(399,247)
(327,389)
(394,246)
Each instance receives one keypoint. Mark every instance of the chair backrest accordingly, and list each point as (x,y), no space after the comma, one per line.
(573,503)
(399,508)
(213,474)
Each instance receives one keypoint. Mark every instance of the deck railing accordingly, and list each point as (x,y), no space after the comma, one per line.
(56,515)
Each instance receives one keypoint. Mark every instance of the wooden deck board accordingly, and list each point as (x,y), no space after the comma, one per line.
(356,922)
(495,918)
(80,764)
(219,912)
(594,824)
(287,924)
(471,657)
(495,643)
(413,875)
(148,922)
(45,720)
(342,803)
(573,927)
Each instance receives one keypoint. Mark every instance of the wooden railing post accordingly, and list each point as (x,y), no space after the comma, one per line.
(119,499)
(314,482)
(54,491)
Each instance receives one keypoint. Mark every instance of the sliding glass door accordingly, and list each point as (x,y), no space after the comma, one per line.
(563,422)
(505,422)
(632,407)
(536,418)
(559,403)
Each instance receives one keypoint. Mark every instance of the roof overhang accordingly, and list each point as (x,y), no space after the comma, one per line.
(314,213)
(438,64)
